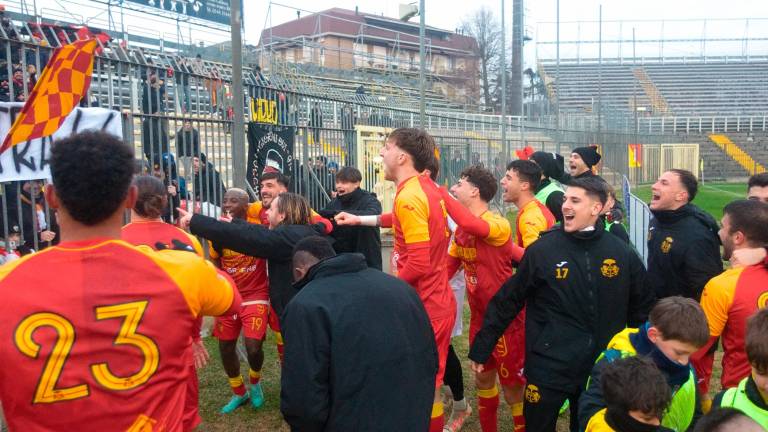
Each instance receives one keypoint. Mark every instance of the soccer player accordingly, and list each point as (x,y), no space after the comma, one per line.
(533,217)
(580,286)
(250,275)
(757,187)
(483,245)
(148,228)
(101,342)
(734,295)
(421,238)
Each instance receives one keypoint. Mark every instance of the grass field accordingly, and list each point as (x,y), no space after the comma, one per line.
(214,389)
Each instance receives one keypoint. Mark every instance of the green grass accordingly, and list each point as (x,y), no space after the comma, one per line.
(712,197)
(215,392)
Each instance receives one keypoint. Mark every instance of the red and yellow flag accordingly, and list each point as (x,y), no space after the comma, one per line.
(64,82)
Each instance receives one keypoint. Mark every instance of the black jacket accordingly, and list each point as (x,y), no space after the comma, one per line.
(364,240)
(360,354)
(258,240)
(188,142)
(683,252)
(207,185)
(580,290)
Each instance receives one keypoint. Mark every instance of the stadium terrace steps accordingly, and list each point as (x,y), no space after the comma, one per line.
(716,163)
(658,103)
(735,152)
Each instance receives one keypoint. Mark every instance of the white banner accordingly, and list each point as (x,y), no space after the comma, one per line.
(30,160)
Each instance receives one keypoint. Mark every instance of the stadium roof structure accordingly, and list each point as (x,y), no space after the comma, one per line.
(348,23)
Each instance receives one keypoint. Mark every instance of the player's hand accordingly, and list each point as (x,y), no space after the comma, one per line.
(185,218)
(747,257)
(477,368)
(200,354)
(345,218)
(175,245)
(47,236)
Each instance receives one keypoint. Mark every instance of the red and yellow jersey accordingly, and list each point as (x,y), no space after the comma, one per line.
(151,232)
(420,217)
(95,334)
(532,219)
(257,213)
(487,262)
(728,300)
(249,273)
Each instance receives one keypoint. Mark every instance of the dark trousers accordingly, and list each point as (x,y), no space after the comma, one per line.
(542,406)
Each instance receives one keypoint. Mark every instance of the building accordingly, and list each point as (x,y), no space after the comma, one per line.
(342,39)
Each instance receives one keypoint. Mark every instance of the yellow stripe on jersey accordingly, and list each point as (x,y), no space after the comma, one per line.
(500,230)
(717,299)
(412,212)
(531,222)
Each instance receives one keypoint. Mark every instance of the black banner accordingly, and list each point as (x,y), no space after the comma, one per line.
(217,11)
(269,146)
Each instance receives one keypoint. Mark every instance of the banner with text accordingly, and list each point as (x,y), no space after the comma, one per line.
(30,160)
(269,147)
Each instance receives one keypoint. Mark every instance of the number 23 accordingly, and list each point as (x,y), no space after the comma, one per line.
(46,391)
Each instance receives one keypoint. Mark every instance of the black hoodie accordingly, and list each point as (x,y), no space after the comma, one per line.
(364,240)
(683,252)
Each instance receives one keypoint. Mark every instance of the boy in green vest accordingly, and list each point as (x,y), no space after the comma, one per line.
(751,396)
(676,328)
(636,393)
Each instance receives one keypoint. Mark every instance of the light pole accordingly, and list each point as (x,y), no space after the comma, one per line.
(238,123)
(423,66)
(504,146)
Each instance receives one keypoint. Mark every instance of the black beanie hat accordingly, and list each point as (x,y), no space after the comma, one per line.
(551,163)
(589,155)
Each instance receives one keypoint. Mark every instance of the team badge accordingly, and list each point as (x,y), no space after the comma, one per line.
(666,245)
(762,301)
(532,394)
(609,268)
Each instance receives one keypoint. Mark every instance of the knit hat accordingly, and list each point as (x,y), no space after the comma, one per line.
(552,164)
(589,155)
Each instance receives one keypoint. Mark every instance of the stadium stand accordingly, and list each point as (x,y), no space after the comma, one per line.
(670,87)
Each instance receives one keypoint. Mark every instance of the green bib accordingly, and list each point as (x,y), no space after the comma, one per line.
(737,398)
(543,194)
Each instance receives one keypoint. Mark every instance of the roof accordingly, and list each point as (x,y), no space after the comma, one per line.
(346,22)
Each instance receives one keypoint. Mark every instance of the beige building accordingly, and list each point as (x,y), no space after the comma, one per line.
(344,40)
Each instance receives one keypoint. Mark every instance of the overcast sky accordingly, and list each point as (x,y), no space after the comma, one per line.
(448,14)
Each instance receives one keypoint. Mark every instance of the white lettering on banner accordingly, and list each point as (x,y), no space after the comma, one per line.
(30,160)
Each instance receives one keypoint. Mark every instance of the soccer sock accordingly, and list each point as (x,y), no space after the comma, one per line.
(488,404)
(254,376)
(437,420)
(279,342)
(517,416)
(237,384)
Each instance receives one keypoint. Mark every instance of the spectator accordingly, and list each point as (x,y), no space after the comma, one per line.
(214,84)
(26,209)
(730,298)
(750,395)
(581,163)
(289,221)
(348,121)
(153,93)
(322,183)
(342,370)
(454,166)
(476,160)
(31,77)
(188,140)
(18,85)
(206,181)
(636,395)
(757,188)
(612,216)
(175,186)
(315,122)
(352,199)
(683,244)
(676,329)
(183,96)
(9,247)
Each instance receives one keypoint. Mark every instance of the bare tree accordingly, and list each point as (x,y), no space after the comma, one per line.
(485,28)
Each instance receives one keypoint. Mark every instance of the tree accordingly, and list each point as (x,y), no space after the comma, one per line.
(486,30)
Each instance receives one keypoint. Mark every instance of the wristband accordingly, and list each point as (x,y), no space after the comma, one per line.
(373,221)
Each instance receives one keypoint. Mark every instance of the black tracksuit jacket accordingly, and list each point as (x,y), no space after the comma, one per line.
(580,289)
(683,252)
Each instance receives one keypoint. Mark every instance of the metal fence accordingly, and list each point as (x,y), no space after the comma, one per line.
(178,113)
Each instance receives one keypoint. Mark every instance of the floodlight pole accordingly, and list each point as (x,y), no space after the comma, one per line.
(423,65)
(238,123)
(504,147)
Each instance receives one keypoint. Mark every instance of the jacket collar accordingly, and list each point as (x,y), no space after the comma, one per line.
(351,197)
(339,264)
(672,216)
(586,236)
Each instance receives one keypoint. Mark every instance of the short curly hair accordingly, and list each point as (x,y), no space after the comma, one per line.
(482,179)
(635,384)
(91,172)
